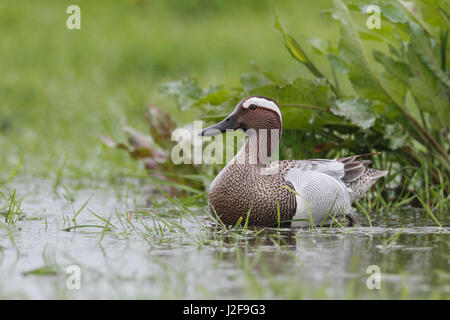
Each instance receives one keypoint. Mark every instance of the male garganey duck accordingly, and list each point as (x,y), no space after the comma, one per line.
(294,192)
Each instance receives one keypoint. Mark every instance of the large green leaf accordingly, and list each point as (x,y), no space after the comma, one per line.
(429,56)
(396,76)
(314,93)
(251,81)
(215,98)
(390,9)
(188,93)
(357,110)
(270,76)
(360,72)
(304,103)
(185,92)
(395,135)
(436,12)
(398,69)
(365,80)
(429,94)
(413,11)
(337,63)
(393,12)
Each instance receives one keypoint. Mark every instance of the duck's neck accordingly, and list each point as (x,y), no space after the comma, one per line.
(259,147)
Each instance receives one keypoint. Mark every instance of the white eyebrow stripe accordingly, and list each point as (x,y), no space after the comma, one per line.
(263,103)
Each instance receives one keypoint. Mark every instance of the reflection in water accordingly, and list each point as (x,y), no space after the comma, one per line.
(141,257)
(414,265)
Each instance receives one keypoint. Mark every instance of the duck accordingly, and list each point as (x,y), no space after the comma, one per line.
(288,193)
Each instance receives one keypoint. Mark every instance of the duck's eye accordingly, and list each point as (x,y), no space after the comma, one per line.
(252,106)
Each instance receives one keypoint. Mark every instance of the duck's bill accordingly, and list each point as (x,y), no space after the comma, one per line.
(228,123)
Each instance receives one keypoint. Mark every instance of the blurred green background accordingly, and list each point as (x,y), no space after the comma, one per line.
(61,89)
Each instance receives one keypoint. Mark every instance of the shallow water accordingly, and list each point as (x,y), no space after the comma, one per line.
(142,257)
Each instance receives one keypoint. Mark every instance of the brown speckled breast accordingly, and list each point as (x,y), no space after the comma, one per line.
(232,197)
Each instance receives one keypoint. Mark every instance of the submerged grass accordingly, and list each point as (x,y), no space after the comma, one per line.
(429,212)
(50,267)
(408,187)
(13,211)
(277,263)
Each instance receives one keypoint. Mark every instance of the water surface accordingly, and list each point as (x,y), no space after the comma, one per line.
(153,250)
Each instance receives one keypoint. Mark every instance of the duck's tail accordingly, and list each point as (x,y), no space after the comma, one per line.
(358,176)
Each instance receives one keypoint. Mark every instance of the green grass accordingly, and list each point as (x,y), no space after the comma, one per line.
(61,89)
(183,252)
(12,208)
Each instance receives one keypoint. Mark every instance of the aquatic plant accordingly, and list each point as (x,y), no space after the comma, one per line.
(393,99)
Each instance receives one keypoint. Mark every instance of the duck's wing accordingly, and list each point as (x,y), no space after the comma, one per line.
(359,177)
(354,169)
(333,168)
(355,174)
(319,189)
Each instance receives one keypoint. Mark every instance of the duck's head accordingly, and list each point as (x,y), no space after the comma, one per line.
(250,115)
